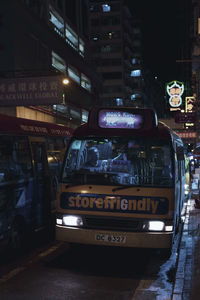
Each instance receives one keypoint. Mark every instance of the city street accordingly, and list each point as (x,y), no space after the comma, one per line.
(52,270)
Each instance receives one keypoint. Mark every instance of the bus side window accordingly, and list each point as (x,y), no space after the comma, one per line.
(54,161)
(39,158)
(9,164)
(22,155)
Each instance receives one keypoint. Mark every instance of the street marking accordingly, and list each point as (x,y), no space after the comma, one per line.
(11,274)
(16,271)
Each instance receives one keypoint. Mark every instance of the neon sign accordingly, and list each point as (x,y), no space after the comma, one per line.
(175,90)
(189,104)
(119,119)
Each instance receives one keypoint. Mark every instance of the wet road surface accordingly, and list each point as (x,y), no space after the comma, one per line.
(55,271)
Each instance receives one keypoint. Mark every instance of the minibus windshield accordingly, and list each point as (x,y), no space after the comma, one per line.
(118,161)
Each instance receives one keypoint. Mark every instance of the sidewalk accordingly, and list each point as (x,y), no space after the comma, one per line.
(187,281)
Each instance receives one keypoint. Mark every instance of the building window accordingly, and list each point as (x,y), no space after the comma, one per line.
(75,113)
(106,8)
(56,20)
(112,89)
(60,108)
(74,74)
(85,82)
(71,37)
(112,75)
(136,73)
(119,101)
(111,48)
(84,116)
(81,47)
(58,62)
(135,96)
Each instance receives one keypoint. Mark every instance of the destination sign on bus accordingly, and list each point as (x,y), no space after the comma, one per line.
(119,119)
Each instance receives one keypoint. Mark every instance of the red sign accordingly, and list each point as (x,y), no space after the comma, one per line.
(187,134)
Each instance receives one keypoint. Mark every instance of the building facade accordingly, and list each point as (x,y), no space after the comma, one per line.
(115,41)
(48,38)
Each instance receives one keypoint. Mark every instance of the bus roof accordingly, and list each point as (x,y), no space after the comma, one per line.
(11,124)
(162,131)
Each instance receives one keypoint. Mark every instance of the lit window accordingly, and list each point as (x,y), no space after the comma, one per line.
(56,19)
(135,73)
(74,74)
(119,101)
(85,82)
(81,47)
(134,96)
(72,37)
(106,7)
(84,116)
(58,62)
(134,61)
(75,113)
(60,108)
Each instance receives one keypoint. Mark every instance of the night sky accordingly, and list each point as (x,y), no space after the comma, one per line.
(162,34)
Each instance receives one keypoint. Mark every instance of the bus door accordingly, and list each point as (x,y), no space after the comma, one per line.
(42,198)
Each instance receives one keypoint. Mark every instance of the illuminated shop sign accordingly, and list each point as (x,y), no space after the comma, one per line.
(175,90)
(187,134)
(31,91)
(189,104)
(119,119)
(190,108)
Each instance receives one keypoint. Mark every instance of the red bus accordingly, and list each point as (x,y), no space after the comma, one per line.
(30,160)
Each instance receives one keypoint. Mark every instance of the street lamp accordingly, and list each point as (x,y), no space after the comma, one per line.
(65,82)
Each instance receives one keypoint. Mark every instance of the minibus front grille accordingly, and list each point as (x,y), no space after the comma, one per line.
(117,224)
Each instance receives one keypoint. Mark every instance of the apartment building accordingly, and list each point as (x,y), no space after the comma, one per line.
(115,41)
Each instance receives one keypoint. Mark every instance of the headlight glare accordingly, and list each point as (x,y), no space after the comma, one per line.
(168,228)
(58,221)
(73,221)
(156,225)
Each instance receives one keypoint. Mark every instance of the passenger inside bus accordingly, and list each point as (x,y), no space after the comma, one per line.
(92,157)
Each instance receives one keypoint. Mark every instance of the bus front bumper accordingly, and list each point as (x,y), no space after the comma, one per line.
(114,238)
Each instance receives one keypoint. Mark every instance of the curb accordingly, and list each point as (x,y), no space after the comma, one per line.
(182,284)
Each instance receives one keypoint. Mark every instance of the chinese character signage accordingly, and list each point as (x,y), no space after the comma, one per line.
(189,104)
(31,91)
(185,117)
(175,90)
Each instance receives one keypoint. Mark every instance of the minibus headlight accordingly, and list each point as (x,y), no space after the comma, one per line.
(156,225)
(73,220)
(58,221)
(168,228)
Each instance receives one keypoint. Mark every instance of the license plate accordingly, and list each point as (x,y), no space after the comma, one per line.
(111,238)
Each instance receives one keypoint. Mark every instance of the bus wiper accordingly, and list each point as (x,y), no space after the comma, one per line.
(122,187)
